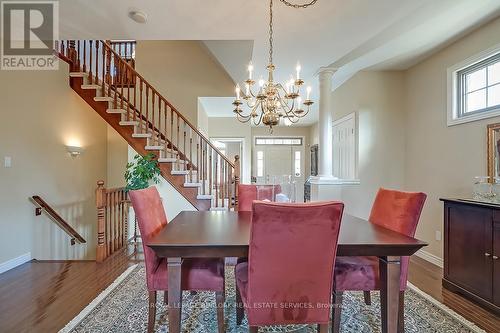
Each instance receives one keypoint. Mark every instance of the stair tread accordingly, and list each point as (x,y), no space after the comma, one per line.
(128,123)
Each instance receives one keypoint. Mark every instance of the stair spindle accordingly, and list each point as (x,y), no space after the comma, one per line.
(90,61)
(78,55)
(153,137)
(147,109)
(216,169)
(198,159)
(84,68)
(127,71)
(96,62)
(210,171)
(141,118)
(122,81)
(190,155)
(171,132)
(178,142)
(103,87)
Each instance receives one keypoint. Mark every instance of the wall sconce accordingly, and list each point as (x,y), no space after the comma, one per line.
(74,151)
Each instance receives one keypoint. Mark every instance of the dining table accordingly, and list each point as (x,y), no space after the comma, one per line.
(221,234)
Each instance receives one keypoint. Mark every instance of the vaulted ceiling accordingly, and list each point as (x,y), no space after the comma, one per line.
(350,35)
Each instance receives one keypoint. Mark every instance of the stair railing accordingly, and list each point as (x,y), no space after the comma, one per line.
(42,206)
(112,220)
(166,129)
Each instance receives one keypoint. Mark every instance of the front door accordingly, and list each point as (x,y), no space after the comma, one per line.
(277,163)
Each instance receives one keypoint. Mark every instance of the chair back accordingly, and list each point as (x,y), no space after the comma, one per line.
(247,193)
(151,218)
(400,212)
(291,259)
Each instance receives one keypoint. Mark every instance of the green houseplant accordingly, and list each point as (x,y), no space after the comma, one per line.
(141,172)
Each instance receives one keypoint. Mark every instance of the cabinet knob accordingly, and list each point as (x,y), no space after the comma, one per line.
(487,254)
(495,257)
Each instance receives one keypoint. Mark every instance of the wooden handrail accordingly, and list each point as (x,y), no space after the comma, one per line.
(109,47)
(44,206)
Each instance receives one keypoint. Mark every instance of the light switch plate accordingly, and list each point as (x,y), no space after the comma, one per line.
(438,235)
(7,162)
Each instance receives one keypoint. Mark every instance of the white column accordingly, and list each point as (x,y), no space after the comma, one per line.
(325,163)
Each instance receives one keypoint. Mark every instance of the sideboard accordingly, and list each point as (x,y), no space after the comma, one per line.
(472,250)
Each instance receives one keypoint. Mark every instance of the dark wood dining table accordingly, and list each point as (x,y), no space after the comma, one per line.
(202,234)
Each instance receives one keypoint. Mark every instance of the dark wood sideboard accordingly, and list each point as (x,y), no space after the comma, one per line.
(472,250)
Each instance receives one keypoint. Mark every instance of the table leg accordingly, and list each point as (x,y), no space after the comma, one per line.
(174,294)
(389,293)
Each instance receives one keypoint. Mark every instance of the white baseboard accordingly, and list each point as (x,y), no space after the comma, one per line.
(430,258)
(13,263)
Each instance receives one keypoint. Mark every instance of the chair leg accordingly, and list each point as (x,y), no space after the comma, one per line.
(253,329)
(401,313)
(219,300)
(240,311)
(323,328)
(165,297)
(336,311)
(152,311)
(368,298)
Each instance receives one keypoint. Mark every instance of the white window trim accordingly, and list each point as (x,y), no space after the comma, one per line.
(452,105)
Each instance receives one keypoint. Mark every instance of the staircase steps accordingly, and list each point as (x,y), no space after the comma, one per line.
(186,158)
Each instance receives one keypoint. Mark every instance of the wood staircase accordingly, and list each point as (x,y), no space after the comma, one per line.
(149,123)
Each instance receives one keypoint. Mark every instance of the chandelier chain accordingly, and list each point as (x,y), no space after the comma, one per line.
(270,31)
(304,5)
(289,4)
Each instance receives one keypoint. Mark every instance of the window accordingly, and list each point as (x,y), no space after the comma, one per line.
(278,141)
(344,148)
(475,88)
(260,164)
(297,163)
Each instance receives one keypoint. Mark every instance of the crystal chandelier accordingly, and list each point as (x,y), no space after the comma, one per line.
(273,100)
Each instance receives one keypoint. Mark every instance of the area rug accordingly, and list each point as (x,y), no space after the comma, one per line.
(123,306)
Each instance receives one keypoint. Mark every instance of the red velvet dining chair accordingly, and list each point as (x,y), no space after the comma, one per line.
(247,193)
(288,276)
(394,210)
(197,274)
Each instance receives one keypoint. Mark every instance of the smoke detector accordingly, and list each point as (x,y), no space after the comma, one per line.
(138,16)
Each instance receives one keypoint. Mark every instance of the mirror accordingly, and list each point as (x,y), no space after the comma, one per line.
(494,150)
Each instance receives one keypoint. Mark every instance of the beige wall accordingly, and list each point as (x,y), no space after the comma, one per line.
(182,71)
(441,160)
(378,100)
(231,128)
(40,115)
(117,151)
(202,119)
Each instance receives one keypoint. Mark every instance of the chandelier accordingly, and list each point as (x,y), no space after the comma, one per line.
(273,100)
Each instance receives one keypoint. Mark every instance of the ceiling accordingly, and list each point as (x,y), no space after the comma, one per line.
(349,35)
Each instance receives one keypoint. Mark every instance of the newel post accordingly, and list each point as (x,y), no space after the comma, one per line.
(100,198)
(236,177)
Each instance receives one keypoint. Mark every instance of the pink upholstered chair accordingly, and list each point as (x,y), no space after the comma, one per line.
(197,274)
(394,210)
(292,251)
(247,193)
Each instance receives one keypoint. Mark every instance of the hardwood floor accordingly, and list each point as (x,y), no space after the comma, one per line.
(44,296)
(427,277)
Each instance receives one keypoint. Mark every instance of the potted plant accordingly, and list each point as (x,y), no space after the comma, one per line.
(143,171)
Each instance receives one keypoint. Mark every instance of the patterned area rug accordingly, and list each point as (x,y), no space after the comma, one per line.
(123,306)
